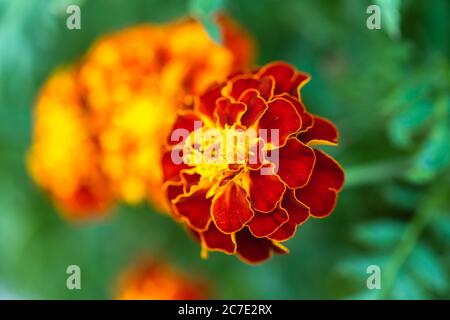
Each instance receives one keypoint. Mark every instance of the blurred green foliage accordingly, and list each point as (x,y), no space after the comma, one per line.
(387,90)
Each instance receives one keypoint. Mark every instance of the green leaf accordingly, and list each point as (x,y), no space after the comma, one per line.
(379,234)
(405,288)
(441,226)
(356,267)
(404,125)
(425,265)
(434,155)
(204,11)
(390,17)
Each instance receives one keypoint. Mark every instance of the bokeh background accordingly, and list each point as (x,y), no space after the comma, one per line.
(387,91)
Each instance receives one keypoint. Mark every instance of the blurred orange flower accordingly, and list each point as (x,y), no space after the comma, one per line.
(157,281)
(235,186)
(99,125)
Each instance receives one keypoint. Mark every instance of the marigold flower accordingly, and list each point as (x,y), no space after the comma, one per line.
(249,205)
(98,127)
(157,281)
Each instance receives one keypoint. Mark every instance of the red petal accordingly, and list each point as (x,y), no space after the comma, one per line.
(280,115)
(184,121)
(189,180)
(256,106)
(307,119)
(265,223)
(227,112)
(252,249)
(174,189)
(322,131)
(283,74)
(238,85)
(265,190)
(300,79)
(230,208)
(207,102)
(217,240)
(296,162)
(321,191)
(171,170)
(298,214)
(195,208)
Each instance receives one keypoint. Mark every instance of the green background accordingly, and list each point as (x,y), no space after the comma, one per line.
(387,91)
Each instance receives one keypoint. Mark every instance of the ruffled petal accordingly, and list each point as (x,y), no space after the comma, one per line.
(307,119)
(214,239)
(321,191)
(322,131)
(265,191)
(230,208)
(280,115)
(238,85)
(227,112)
(265,223)
(195,209)
(256,106)
(252,249)
(207,101)
(171,171)
(296,162)
(298,214)
(186,121)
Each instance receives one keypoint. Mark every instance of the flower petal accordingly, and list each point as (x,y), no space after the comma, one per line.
(207,101)
(322,131)
(296,162)
(185,121)
(227,112)
(265,223)
(321,191)
(256,106)
(307,119)
(171,171)
(252,249)
(280,115)
(265,191)
(195,209)
(217,240)
(230,208)
(239,84)
(298,214)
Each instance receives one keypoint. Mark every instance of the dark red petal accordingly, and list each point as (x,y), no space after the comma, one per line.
(207,101)
(265,191)
(280,115)
(285,232)
(195,208)
(174,189)
(298,214)
(189,180)
(265,223)
(171,171)
(256,106)
(227,112)
(230,208)
(307,119)
(296,162)
(300,79)
(252,249)
(321,191)
(238,85)
(217,240)
(322,131)
(283,74)
(184,121)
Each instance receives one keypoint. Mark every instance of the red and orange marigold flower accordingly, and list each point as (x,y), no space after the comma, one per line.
(158,281)
(235,206)
(99,124)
